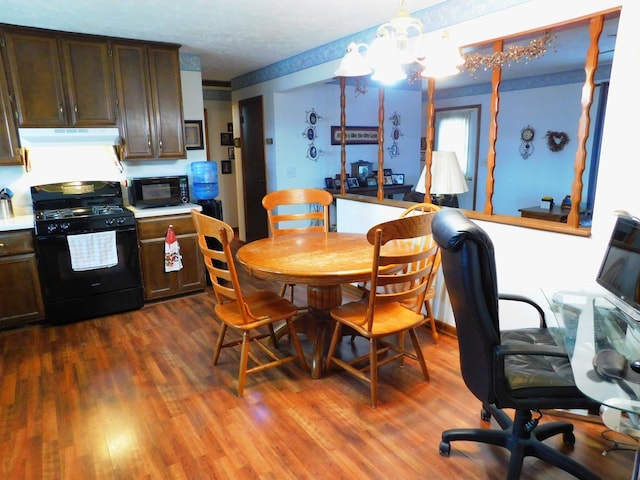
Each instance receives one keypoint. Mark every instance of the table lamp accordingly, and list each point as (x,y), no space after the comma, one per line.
(447,179)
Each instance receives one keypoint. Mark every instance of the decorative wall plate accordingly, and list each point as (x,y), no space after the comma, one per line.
(395,119)
(312,152)
(310,133)
(312,117)
(393,150)
(395,134)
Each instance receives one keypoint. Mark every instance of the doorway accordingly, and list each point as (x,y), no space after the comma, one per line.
(253,168)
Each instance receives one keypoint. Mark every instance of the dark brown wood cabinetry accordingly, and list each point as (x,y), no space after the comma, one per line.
(20,296)
(158,283)
(60,80)
(9,153)
(149,101)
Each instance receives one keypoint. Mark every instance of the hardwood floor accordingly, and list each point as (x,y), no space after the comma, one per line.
(135,396)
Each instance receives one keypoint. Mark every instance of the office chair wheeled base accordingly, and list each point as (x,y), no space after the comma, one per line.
(522,438)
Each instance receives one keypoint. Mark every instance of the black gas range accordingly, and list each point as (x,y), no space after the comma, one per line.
(87,250)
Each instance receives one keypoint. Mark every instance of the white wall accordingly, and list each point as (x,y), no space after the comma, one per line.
(290,167)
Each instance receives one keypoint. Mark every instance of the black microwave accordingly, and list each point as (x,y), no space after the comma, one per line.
(158,191)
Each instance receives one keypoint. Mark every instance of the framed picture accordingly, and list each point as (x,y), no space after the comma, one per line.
(372,182)
(397,178)
(226,139)
(387,172)
(352,182)
(355,135)
(230,127)
(230,153)
(337,183)
(225,166)
(329,183)
(193,135)
(388,180)
(423,143)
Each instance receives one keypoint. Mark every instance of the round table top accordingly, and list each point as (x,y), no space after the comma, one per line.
(310,258)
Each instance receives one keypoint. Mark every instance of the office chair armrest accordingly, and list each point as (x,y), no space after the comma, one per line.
(533,349)
(521,298)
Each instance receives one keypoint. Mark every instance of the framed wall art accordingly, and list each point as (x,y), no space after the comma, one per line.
(193,139)
(355,135)
(226,139)
(225,166)
(230,153)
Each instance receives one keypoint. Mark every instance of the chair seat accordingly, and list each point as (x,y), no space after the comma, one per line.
(533,374)
(264,305)
(391,318)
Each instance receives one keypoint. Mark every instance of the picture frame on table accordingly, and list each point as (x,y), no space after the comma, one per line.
(329,183)
(387,172)
(352,182)
(388,180)
(225,166)
(397,178)
(372,182)
(226,139)
(193,138)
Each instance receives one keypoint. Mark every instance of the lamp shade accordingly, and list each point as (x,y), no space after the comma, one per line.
(446,175)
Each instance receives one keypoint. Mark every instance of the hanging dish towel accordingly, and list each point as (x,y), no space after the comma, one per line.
(172,257)
(91,251)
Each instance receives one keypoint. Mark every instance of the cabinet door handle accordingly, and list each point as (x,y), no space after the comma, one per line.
(149,141)
(160,144)
(75,108)
(61,111)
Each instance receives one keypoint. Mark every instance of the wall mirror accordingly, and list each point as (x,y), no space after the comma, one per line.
(544,94)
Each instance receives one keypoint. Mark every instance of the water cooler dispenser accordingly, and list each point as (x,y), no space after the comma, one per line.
(204,176)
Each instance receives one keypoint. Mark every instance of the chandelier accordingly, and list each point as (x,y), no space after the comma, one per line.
(398,43)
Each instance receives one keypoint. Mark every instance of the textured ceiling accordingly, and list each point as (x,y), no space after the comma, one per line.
(232,37)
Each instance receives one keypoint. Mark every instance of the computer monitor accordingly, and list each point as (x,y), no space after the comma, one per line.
(620,269)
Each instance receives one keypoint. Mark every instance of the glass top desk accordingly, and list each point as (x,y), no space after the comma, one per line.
(587,323)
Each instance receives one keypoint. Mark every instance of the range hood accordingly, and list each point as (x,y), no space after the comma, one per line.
(51,137)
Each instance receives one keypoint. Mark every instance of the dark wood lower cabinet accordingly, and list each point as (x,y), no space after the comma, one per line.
(20,295)
(158,283)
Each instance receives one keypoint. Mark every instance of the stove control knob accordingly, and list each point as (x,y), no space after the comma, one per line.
(52,227)
(109,221)
(120,220)
(64,226)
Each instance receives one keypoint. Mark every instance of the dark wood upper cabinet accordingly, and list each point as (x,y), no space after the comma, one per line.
(60,81)
(134,99)
(34,70)
(9,154)
(149,101)
(164,68)
(89,80)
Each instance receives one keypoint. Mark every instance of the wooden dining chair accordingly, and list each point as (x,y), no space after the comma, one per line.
(247,314)
(401,267)
(421,209)
(297,211)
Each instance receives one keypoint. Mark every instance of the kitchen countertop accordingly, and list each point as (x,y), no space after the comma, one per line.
(161,211)
(22,220)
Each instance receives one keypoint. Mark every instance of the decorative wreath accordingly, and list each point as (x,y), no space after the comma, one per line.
(556,141)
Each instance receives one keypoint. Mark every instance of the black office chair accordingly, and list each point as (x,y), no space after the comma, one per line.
(520,369)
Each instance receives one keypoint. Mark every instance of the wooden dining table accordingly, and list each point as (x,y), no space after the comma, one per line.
(323,262)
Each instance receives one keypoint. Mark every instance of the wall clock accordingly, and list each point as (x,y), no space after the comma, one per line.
(526,146)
